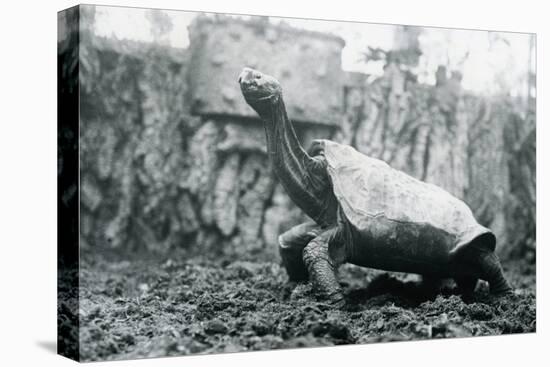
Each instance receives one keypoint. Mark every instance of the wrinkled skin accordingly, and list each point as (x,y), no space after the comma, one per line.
(257,86)
(316,249)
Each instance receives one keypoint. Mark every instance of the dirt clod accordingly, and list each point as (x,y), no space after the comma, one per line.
(215,327)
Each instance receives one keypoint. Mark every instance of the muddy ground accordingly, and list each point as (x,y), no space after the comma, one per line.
(138,308)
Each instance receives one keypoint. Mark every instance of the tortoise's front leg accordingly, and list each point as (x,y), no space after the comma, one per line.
(291,245)
(322,267)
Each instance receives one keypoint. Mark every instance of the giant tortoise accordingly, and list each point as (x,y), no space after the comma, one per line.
(365,212)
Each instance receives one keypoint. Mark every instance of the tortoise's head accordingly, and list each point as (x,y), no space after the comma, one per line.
(257,87)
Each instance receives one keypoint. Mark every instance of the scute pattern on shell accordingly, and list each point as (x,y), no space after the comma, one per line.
(367,188)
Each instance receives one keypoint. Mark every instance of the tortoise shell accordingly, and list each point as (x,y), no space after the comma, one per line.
(398,222)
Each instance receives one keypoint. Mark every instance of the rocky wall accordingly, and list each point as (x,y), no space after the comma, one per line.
(154,177)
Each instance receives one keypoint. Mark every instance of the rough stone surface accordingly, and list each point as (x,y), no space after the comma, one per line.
(302,61)
(226,195)
(154,177)
(256,186)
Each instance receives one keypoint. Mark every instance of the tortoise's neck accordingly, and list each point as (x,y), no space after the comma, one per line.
(290,161)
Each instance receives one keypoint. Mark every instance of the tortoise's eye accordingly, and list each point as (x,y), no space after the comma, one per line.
(258,76)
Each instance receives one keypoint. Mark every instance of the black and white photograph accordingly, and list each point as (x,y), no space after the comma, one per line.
(233,183)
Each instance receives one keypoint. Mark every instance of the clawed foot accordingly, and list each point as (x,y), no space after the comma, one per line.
(338,304)
(501,289)
(288,288)
(337,300)
(296,290)
(503,293)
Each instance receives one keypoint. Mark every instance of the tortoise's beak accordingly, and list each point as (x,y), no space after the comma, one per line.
(249,77)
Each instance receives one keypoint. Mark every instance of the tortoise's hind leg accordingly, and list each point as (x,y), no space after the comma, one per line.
(291,245)
(480,263)
(491,271)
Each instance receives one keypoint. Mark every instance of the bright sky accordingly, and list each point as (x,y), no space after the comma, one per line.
(496,61)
